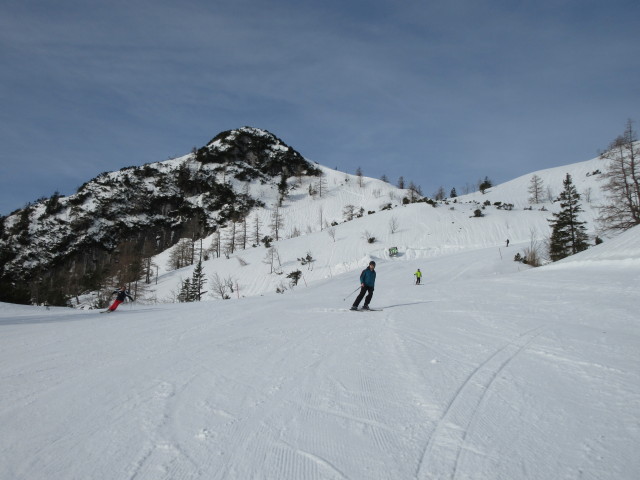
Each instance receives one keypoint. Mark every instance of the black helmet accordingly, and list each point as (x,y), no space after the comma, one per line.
(372,263)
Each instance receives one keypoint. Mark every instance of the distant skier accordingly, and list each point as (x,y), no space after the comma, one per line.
(367,282)
(122,294)
(418,275)
(507,242)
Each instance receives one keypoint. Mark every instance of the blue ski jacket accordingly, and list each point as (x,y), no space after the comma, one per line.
(368,277)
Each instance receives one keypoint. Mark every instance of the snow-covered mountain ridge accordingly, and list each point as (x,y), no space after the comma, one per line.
(74,240)
(236,181)
(418,230)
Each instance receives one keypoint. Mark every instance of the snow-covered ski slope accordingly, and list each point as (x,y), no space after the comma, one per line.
(488,370)
(482,372)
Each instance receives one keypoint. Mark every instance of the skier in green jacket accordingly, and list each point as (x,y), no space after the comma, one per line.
(418,275)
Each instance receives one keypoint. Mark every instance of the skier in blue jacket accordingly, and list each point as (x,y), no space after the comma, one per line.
(367,283)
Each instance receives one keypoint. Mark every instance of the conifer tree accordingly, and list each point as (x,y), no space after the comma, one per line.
(283,189)
(485,185)
(568,235)
(295,278)
(185,291)
(198,279)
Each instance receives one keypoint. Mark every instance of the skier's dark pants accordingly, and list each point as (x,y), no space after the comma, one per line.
(363,291)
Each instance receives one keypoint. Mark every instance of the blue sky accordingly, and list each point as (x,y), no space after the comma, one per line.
(441,92)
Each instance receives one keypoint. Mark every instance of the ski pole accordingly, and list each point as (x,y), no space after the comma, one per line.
(351,294)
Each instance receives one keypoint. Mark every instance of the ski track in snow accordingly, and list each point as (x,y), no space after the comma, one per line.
(446,444)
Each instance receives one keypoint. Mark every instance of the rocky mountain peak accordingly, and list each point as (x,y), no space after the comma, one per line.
(256,152)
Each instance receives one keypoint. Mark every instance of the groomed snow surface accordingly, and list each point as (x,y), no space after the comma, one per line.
(483,372)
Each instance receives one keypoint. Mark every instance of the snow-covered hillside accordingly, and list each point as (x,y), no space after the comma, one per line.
(482,372)
(584,175)
(60,247)
(421,231)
